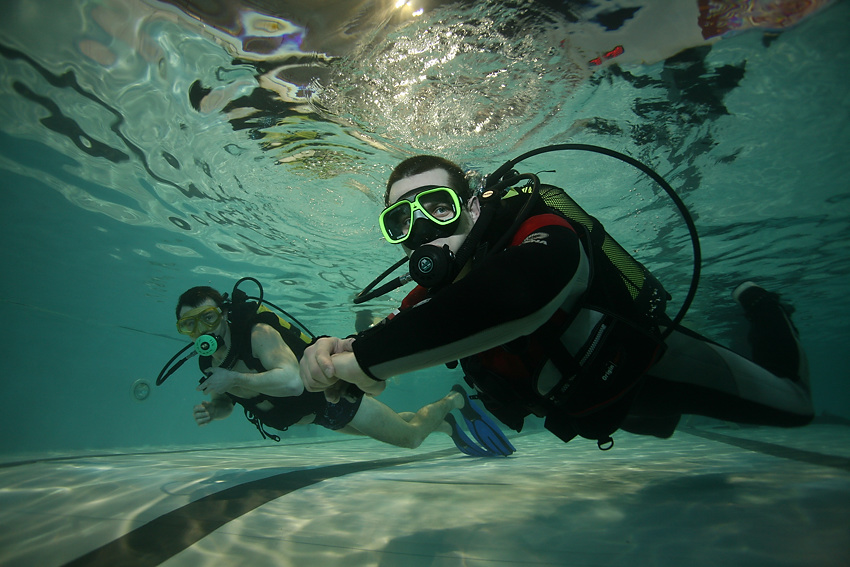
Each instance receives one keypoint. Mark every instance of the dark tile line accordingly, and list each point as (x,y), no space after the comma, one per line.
(171,533)
(801,455)
(84,457)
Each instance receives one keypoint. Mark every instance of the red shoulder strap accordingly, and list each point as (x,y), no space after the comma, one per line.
(535,223)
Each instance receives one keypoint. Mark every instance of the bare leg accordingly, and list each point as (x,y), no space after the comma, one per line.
(403,430)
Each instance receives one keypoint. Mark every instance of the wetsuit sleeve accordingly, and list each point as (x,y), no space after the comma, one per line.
(512,293)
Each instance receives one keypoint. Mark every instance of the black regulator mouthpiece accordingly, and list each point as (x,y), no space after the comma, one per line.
(206,345)
(424,230)
(432,266)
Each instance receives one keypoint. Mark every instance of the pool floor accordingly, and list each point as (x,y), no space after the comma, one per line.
(711,495)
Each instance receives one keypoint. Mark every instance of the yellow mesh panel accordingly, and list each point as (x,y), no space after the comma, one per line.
(558,199)
(284,323)
(630,270)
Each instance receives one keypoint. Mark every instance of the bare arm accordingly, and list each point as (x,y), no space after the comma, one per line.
(328,362)
(282,378)
(348,370)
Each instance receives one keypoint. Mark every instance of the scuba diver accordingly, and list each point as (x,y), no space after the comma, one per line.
(549,316)
(249,356)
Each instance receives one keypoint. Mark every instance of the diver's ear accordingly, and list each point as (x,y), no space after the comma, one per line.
(474,208)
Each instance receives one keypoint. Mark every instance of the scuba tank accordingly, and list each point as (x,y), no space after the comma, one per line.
(635,276)
(645,299)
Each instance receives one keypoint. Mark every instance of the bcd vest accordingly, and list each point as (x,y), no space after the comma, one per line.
(620,314)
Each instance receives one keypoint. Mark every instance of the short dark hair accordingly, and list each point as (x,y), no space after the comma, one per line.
(197,295)
(422,163)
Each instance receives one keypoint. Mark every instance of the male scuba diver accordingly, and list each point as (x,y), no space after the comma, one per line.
(549,316)
(249,356)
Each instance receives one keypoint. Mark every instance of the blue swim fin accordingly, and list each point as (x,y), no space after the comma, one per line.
(483,429)
(466,445)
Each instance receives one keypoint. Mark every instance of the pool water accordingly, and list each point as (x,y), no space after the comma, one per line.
(147,147)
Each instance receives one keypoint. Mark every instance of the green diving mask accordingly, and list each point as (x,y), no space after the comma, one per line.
(420,216)
(199,320)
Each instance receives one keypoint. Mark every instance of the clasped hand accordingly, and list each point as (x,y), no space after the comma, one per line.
(328,365)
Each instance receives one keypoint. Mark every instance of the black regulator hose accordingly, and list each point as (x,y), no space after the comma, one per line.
(367,292)
(489,198)
(168,369)
(238,295)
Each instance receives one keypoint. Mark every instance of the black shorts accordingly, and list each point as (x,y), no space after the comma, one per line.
(336,416)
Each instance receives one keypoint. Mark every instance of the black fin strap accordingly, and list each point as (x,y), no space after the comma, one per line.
(259,425)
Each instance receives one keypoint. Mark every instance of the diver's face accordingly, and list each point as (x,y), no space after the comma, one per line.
(437,178)
(202,319)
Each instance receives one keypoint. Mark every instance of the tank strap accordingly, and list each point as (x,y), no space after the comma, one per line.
(249,415)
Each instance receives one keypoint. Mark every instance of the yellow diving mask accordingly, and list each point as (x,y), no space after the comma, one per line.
(199,320)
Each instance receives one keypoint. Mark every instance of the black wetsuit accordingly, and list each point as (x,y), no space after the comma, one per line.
(289,410)
(511,318)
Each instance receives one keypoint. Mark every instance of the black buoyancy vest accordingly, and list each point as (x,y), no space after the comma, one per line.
(287,410)
(598,383)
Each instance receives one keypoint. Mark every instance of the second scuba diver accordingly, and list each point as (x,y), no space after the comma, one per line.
(549,316)
(250,356)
